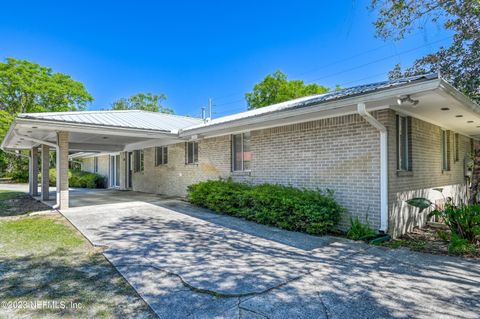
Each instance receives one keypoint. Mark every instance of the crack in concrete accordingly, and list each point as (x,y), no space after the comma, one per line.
(325,309)
(252,311)
(224,295)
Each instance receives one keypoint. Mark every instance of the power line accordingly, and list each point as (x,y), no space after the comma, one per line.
(351,69)
(378,60)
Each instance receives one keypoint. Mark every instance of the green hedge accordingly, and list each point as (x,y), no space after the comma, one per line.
(290,208)
(80,179)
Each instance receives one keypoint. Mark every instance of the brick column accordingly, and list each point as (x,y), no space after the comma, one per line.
(123,170)
(62,170)
(33,172)
(45,168)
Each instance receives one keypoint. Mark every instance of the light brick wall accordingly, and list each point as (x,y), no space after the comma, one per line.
(62,171)
(340,153)
(426,172)
(174,177)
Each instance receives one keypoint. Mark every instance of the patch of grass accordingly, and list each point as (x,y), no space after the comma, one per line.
(358,229)
(461,246)
(43,258)
(34,234)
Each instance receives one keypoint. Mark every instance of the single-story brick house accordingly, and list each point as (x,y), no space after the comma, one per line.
(375,145)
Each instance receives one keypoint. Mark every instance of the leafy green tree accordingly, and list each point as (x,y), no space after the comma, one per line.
(276,88)
(459,62)
(27,87)
(143,101)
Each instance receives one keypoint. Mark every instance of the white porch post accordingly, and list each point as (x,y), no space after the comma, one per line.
(62,170)
(33,172)
(45,168)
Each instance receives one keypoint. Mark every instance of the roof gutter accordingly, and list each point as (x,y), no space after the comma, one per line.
(362,111)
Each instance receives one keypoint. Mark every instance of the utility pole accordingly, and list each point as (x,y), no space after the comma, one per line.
(203,113)
(210,105)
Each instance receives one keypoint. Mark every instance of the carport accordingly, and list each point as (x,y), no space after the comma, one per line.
(70,133)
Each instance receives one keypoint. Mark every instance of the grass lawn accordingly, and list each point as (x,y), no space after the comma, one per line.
(51,271)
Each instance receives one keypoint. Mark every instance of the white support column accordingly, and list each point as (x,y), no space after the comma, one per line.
(62,170)
(45,168)
(33,172)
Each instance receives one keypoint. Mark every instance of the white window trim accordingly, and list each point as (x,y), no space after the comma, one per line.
(399,146)
(161,148)
(193,155)
(233,154)
(444,146)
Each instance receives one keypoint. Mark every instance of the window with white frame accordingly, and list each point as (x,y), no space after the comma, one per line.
(139,161)
(456,142)
(445,140)
(95,164)
(404,156)
(191,152)
(241,153)
(161,155)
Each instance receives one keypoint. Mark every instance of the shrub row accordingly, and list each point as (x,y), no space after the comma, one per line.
(80,179)
(290,208)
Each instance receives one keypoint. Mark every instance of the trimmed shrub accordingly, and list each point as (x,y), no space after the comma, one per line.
(80,179)
(290,208)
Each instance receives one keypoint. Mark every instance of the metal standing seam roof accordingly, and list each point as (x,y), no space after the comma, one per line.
(316,99)
(135,119)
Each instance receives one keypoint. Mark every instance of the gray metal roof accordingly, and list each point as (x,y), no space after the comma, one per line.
(173,123)
(316,99)
(126,118)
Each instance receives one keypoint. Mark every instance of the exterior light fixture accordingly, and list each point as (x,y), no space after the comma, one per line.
(407,99)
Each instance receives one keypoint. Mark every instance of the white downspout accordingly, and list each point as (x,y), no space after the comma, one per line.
(361,109)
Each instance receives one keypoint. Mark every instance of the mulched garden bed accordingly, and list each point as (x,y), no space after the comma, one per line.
(433,240)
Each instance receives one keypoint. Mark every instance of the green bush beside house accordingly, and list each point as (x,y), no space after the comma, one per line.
(290,208)
(80,179)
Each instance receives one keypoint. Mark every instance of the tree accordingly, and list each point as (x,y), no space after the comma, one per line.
(29,87)
(143,101)
(276,88)
(459,63)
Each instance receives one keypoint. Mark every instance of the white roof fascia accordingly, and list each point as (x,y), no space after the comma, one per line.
(92,128)
(243,119)
(459,96)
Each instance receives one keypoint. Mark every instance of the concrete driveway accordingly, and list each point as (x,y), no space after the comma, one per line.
(189,263)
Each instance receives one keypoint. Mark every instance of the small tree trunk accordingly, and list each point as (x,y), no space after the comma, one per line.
(475,187)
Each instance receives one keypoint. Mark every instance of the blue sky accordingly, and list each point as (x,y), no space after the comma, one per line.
(195,50)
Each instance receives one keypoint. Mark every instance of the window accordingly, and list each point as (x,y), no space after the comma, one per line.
(404,156)
(161,155)
(95,164)
(456,142)
(241,153)
(139,161)
(445,150)
(191,152)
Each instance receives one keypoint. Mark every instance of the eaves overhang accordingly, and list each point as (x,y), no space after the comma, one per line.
(309,110)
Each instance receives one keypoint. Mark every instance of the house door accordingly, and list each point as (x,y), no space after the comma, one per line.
(115,171)
(129,169)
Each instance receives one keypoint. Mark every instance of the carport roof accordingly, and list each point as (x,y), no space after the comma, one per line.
(126,118)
